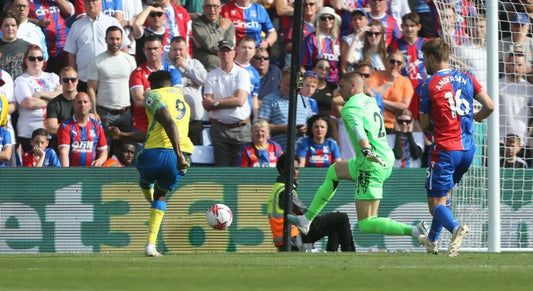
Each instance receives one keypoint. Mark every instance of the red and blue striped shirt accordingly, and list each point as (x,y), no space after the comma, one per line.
(84,141)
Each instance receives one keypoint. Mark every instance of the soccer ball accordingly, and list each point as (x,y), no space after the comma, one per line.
(219,216)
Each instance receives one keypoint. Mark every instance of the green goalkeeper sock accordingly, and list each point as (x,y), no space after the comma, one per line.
(323,194)
(374,224)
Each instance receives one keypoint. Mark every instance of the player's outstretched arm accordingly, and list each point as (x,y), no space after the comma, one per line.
(116,134)
(487,106)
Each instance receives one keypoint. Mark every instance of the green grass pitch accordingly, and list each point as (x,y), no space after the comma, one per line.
(267,271)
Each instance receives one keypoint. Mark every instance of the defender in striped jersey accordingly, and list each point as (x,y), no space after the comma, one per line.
(446,110)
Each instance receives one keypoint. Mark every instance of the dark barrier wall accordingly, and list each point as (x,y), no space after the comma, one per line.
(102,210)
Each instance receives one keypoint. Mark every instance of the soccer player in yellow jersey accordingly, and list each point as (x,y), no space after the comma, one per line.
(165,156)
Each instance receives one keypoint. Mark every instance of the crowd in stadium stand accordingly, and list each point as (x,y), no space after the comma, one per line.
(231,61)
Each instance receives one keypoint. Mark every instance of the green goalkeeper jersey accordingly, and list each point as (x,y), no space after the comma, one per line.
(362,114)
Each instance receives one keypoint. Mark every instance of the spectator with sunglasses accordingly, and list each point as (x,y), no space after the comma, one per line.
(177,21)
(154,13)
(323,43)
(396,89)
(33,90)
(406,144)
(60,107)
(270,74)
(325,91)
(374,47)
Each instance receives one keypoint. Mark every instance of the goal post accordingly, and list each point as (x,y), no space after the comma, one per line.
(494,234)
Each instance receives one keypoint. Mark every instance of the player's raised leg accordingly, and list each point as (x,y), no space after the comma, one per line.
(325,192)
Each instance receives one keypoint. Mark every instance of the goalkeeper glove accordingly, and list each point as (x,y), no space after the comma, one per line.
(373,157)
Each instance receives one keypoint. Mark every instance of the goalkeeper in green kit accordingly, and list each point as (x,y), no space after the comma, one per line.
(369,169)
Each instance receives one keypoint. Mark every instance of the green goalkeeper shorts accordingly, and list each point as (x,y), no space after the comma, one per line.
(369,184)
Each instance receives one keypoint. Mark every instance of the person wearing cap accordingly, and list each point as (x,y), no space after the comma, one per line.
(317,148)
(323,43)
(352,44)
(207,31)
(345,8)
(518,40)
(225,97)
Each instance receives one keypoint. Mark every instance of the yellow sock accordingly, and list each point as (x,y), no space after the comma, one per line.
(148,194)
(156,217)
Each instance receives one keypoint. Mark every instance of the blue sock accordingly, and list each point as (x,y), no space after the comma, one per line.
(436,226)
(434,231)
(158,204)
(445,216)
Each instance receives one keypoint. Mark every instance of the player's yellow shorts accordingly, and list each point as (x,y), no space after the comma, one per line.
(369,184)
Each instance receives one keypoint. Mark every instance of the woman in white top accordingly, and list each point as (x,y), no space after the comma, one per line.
(374,47)
(33,90)
(352,44)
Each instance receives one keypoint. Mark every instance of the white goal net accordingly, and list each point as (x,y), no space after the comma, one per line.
(463,26)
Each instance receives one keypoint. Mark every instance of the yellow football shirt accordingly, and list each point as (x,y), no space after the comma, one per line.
(172,98)
(4,108)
